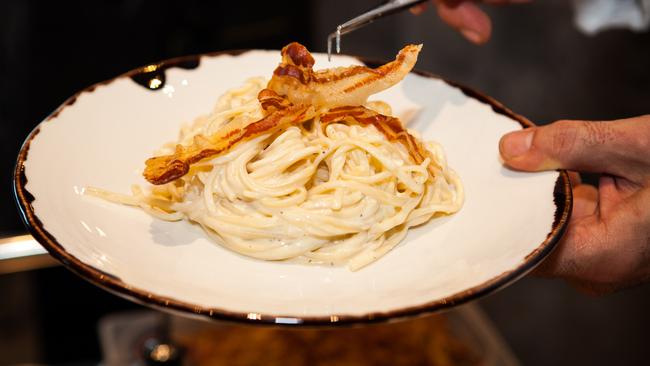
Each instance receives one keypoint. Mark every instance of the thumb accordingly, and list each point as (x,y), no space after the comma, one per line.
(616,147)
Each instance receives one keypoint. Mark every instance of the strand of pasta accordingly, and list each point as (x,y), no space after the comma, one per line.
(342,194)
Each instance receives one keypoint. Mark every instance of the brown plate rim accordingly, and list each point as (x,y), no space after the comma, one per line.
(562,197)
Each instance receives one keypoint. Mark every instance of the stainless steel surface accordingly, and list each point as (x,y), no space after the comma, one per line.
(388,8)
(23,253)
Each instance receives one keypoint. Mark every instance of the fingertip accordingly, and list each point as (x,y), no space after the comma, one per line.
(502,149)
(479,30)
(468,18)
(585,192)
(574,178)
(418,9)
(585,201)
(520,150)
(474,37)
(516,144)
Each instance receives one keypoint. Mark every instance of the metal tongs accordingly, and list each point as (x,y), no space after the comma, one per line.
(388,8)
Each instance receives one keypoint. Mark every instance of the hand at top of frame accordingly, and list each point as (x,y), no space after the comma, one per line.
(466,17)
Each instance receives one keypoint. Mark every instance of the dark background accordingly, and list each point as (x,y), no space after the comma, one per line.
(537,63)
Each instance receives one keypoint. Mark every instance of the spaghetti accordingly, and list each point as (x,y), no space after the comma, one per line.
(330,190)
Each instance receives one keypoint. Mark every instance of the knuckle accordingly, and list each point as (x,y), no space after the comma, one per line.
(563,138)
(570,139)
(597,133)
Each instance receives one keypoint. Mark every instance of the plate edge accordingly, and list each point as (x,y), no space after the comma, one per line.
(562,198)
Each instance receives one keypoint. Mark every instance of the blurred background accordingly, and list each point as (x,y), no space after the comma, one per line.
(537,63)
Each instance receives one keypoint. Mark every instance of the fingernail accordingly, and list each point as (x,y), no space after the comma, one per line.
(515,144)
(472,36)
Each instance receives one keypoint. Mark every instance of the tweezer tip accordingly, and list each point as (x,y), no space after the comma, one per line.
(329,47)
(336,35)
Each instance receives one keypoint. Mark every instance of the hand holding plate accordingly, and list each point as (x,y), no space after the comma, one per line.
(607,244)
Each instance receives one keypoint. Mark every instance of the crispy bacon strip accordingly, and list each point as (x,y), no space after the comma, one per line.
(293,94)
(281,113)
(343,86)
(271,101)
(391,127)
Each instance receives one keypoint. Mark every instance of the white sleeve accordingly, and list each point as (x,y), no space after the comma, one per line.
(592,16)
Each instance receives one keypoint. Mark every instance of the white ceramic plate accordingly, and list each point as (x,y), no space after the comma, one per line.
(102,135)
